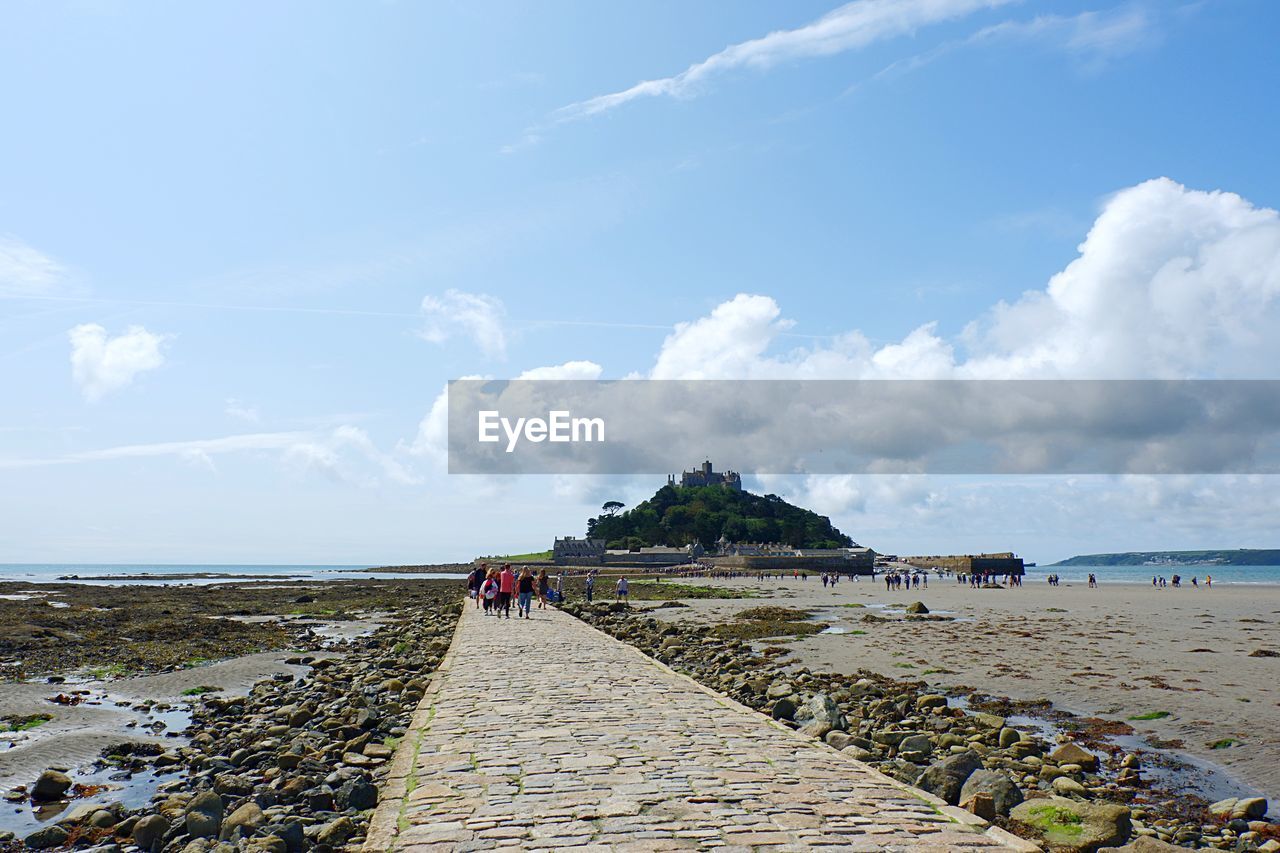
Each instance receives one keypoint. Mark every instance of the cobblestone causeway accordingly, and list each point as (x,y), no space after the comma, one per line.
(546,734)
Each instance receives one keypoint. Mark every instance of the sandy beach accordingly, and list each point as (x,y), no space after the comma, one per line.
(1117,651)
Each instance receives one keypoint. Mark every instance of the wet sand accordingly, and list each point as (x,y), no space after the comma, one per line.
(1116,652)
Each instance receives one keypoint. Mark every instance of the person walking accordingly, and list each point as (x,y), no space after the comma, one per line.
(622,592)
(475,580)
(506,588)
(489,592)
(590,585)
(524,587)
(544,584)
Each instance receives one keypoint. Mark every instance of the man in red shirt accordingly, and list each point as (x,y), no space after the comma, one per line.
(506,588)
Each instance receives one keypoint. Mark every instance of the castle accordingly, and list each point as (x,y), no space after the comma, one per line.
(704,476)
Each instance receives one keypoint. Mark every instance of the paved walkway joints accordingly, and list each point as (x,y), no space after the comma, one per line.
(548,734)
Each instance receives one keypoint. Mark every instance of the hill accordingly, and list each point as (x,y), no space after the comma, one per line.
(1233,557)
(682,515)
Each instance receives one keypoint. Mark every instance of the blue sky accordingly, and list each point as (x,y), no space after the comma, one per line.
(242,248)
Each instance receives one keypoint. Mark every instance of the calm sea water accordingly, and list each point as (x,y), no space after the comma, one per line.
(1143,574)
(112,573)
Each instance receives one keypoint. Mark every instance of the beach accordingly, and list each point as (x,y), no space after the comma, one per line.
(1201,656)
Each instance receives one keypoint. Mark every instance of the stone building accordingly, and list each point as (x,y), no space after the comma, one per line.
(706,476)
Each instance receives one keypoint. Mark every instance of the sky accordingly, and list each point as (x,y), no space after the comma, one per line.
(243,247)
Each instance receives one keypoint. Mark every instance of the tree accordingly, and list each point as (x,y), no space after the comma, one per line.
(611,508)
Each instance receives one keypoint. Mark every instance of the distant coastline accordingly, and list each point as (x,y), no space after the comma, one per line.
(1232,557)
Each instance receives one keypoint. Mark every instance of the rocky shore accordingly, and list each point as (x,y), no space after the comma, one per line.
(293,765)
(1070,795)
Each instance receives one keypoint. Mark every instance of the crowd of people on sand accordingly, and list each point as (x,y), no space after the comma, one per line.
(1160,582)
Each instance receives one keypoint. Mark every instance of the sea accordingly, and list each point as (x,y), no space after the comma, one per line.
(167,573)
(1144,574)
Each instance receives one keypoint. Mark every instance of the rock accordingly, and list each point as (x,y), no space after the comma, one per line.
(204,815)
(1222,808)
(778,689)
(979,804)
(839,740)
(783,709)
(917,607)
(945,778)
(1072,753)
(51,785)
(336,832)
(1271,846)
(997,784)
(1250,808)
(356,794)
(47,836)
(248,816)
(269,844)
(102,818)
(821,708)
(1008,737)
(1072,826)
(1068,787)
(858,753)
(990,721)
(816,729)
(931,700)
(149,830)
(915,749)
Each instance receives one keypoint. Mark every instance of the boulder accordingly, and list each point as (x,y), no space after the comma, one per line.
(1068,787)
(997,784)
(204,815)
(149,830)
(1072,753)
(1071,826)
(944,779)
(1250,808)
(248,816)
(356,794)
(783,709)
(916,607)
(915,749)
(821,708)
(839,740)
(336,832)
(51,785)
(46,837)
(931,700)
(979,804)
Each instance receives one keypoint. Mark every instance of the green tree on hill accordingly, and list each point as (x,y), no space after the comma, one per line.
(679,516)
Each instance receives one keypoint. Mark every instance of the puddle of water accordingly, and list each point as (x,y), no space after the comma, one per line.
(1172,771)
(834,629)
(133,790)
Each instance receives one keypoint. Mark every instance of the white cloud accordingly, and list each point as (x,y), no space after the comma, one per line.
(849,27)
(101,364)
(236,409)
(1169,283)
(474,315)
(343,454)
(1091,38)
(25,271)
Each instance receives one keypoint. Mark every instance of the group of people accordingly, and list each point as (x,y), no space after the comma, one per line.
(493,589)
(977,580)
(1176,581)
(909,580)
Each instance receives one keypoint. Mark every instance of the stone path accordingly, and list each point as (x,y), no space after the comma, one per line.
(548,734)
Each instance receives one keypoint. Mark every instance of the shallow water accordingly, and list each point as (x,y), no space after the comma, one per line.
(1171,770)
